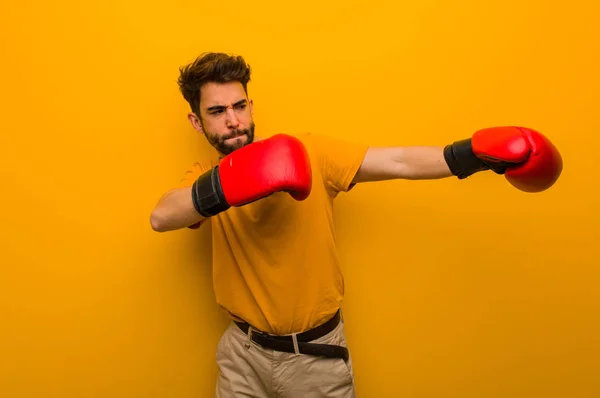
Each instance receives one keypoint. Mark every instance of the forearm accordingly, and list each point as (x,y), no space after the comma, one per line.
(422,162)
(403,162)
(175,210)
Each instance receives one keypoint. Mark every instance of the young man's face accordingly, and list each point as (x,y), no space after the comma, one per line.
(225,116)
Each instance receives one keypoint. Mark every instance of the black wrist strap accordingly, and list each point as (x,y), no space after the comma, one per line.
(207,194)
(461,159)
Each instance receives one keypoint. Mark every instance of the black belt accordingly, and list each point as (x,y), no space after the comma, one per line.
(286,343)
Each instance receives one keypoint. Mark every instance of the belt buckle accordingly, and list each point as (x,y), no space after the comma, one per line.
(252,333)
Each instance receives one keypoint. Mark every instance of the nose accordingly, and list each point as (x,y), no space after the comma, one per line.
(232,120)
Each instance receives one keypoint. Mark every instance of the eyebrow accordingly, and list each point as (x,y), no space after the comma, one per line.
(219,107)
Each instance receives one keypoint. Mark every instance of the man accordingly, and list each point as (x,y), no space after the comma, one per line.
(269,201)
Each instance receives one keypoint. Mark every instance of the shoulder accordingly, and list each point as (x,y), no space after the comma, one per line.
(334,148)
(326,145)
(338,159)
(314,140)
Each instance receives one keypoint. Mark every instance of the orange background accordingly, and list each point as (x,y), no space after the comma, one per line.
(454,288)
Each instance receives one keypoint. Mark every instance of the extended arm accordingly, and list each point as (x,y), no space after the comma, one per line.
(529,161)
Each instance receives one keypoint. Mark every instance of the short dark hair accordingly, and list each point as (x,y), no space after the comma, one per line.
(211,67)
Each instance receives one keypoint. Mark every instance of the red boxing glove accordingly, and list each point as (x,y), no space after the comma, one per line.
(279,163)
(529,161)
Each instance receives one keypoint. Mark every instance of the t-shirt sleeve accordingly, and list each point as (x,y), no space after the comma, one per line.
(339,161)
(191,175)
(188,178)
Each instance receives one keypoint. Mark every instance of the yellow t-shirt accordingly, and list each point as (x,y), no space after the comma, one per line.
(275,262)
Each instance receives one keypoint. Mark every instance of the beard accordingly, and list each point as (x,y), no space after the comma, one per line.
(244,137)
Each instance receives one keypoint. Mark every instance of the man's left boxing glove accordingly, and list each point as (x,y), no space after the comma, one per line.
(528,160)
(255,171)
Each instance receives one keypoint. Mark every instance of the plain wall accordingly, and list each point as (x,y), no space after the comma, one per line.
(454,288)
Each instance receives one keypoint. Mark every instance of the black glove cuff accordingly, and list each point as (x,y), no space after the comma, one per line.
(461,159)
(207,194)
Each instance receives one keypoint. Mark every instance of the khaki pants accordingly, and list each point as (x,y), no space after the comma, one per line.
(249,370)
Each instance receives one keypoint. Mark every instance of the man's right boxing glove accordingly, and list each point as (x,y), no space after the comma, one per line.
(255,171)
(528,160)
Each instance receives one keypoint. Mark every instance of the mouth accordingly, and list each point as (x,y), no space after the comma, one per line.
(235,137)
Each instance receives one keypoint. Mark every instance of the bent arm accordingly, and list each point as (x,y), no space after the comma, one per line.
(403,162)
(175,210)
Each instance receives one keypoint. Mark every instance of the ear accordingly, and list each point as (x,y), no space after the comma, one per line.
(251,104)
(195,122)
